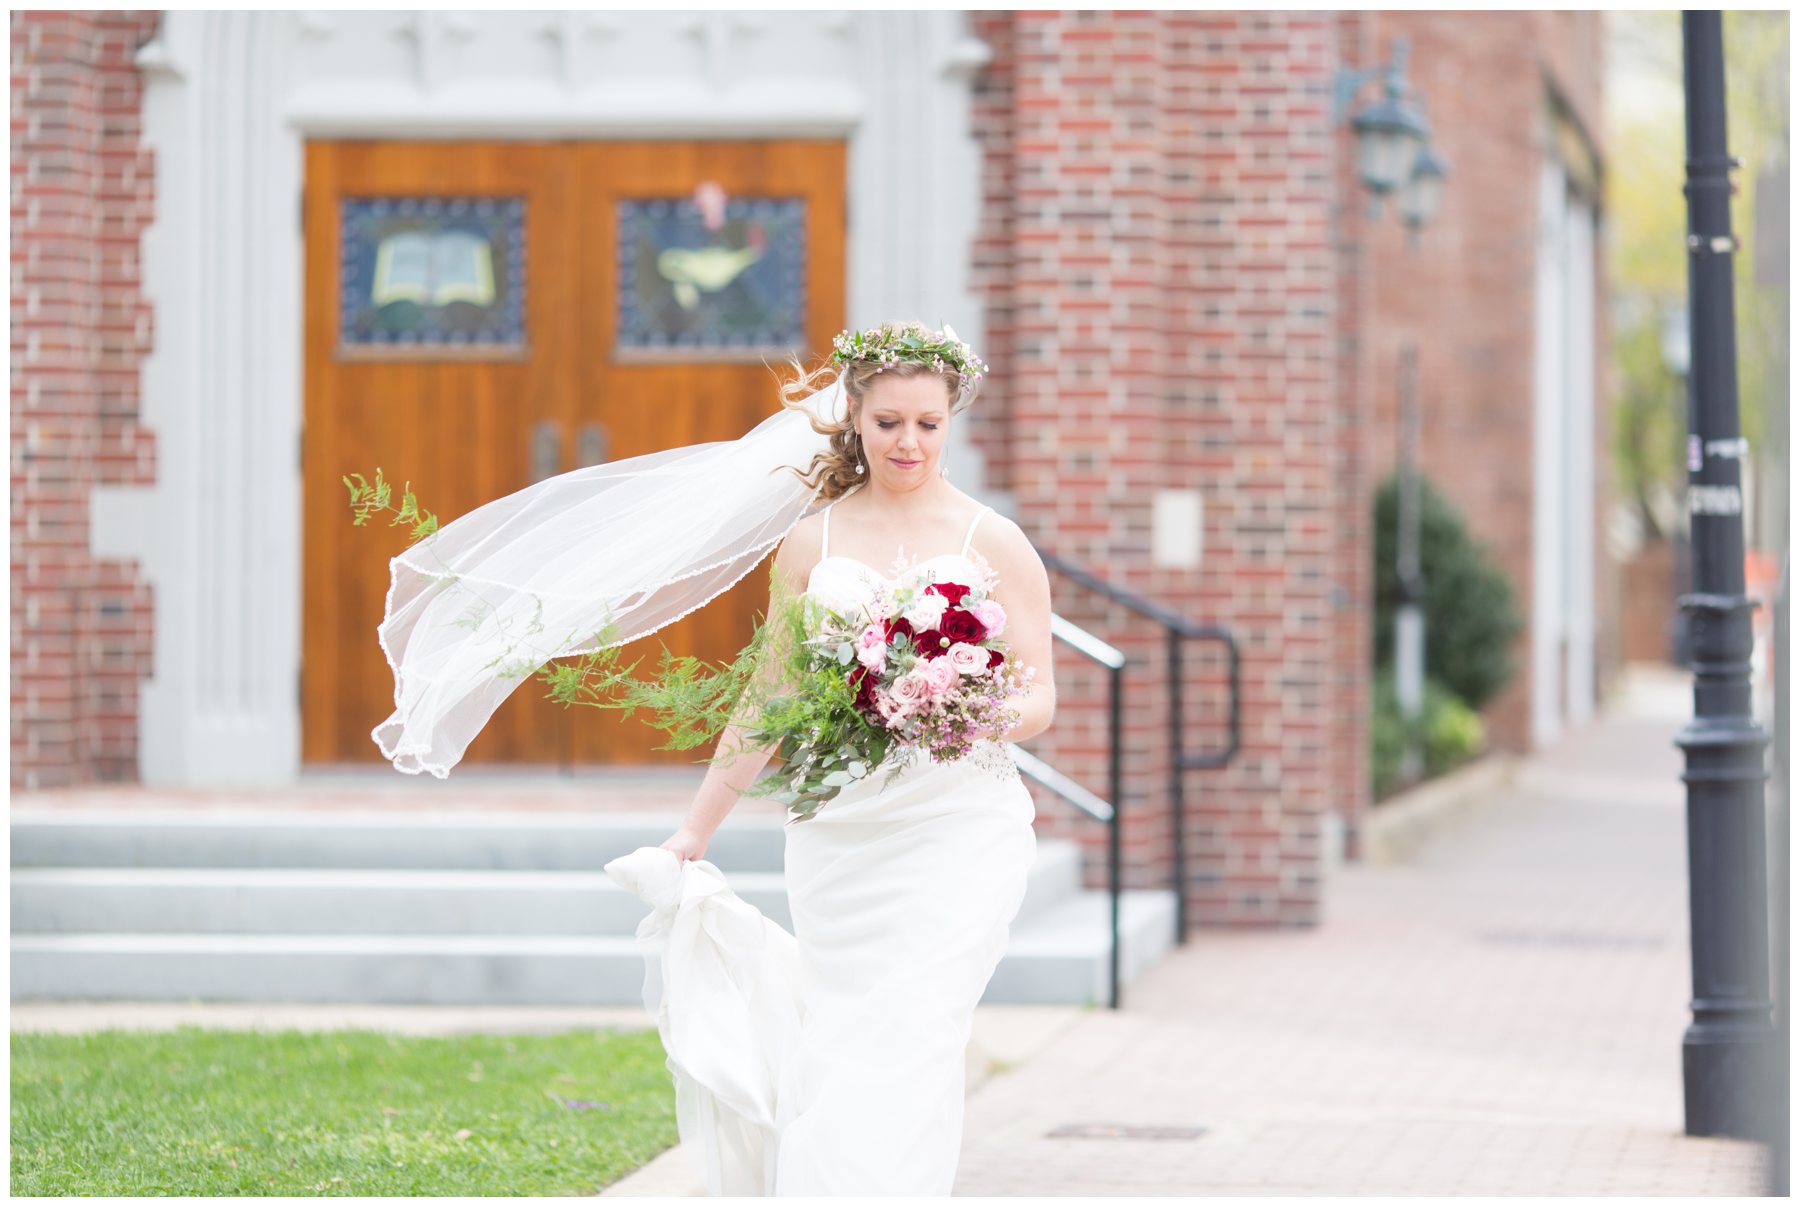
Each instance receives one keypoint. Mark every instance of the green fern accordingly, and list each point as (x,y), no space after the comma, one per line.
(367,498)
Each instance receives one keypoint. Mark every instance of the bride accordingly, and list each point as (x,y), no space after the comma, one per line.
(901,892)
(828,1060)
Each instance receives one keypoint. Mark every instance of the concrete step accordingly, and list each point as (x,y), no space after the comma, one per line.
(323,901)
(1060,955)
(1057,956)
(345,839)
(444,907)
(419,969)
(330,901)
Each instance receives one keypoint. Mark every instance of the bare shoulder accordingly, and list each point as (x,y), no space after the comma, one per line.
(799,551)
(1000,540)
(806,536)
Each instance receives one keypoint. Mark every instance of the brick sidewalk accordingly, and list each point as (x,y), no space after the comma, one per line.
(1503,1015)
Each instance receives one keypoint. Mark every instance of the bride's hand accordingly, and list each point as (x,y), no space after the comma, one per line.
(686,843)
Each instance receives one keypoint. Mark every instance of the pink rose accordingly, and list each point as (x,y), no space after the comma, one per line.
(940,675)
(967,659)
(871,647)
(991,615)
(911,692)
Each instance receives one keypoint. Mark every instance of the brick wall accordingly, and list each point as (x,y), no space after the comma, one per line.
(82,193)
(1161,289)
(1184,288)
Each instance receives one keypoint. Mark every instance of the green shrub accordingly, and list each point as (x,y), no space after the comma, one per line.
(1471,619)
(1454,733)
(1450,732)
(1387,736)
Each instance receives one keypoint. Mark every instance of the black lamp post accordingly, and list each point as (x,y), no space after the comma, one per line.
(1729,1047)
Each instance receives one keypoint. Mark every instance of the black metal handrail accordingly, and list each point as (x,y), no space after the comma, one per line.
(1090,646)
(1178,629)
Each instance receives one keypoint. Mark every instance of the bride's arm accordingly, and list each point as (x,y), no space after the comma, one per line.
(1023,589)
(734,766)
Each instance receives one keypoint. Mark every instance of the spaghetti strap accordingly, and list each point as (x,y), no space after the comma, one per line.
(970,535)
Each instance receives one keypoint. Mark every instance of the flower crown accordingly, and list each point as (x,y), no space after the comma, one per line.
(889,344)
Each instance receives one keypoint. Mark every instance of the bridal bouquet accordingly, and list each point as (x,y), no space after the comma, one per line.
(922,671)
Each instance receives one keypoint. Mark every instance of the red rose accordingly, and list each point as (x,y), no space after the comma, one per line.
(898,624)
(953,592)
(930,643)
(863,681)
(995,658)
(959,625)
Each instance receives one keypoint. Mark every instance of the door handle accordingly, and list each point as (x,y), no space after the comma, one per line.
(591,445)
(546,449)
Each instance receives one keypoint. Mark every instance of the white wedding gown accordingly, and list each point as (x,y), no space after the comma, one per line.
(831,1060)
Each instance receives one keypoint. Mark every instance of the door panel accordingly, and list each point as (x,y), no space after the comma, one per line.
(462,426)
(645,407)
(456,425)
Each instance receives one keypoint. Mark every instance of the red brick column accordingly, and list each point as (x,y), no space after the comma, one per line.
(1161,290)
(82,193)
(1353,619)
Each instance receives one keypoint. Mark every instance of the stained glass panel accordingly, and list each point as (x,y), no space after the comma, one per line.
(432,276)
(734,288)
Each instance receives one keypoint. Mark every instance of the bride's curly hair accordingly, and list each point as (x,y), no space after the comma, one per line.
(833,472)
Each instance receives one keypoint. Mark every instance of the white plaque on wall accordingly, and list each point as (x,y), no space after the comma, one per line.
(1175,529)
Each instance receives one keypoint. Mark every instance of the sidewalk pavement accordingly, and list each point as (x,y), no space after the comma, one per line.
(1501,1015)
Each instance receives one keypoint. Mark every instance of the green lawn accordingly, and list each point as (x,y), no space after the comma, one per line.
(204,1112)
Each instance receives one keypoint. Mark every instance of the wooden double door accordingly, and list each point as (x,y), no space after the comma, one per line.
(556,391)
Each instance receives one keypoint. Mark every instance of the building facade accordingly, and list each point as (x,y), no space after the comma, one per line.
(1148,223)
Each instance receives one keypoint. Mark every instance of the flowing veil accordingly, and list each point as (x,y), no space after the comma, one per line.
(590,559)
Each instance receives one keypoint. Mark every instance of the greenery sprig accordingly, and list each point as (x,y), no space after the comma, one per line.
(366,499)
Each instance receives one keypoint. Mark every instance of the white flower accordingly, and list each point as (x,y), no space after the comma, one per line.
(926,610)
